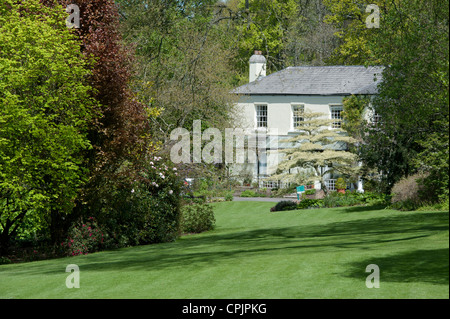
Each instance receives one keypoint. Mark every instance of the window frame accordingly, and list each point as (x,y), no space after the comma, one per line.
(336,124)
(258,116)
(295,122)
(376,119)
(330,184)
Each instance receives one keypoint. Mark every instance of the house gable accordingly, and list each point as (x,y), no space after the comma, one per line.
(267,104)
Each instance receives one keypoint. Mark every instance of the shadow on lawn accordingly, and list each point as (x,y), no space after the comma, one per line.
(429,266)
(215,247)
(355,209)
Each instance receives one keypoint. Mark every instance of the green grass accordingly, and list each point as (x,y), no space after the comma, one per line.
(254,253)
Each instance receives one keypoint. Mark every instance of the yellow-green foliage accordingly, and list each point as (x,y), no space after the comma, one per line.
(352,114)
(356,46)
(45,110)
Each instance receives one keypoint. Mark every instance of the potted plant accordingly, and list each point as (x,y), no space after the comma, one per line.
(341,185)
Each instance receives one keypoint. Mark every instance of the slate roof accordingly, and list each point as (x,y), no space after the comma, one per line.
(316,80)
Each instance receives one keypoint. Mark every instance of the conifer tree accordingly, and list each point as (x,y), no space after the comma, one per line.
(319,148)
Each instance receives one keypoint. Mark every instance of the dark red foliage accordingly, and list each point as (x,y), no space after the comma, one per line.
(118,133)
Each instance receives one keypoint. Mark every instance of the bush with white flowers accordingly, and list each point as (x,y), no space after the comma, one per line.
(149,207)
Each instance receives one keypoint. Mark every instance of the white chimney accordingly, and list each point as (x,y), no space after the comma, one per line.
(257,66)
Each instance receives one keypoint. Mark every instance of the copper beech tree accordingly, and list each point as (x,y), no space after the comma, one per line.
(119,134)
(119,131)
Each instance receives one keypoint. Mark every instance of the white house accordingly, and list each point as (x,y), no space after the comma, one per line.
(268,103)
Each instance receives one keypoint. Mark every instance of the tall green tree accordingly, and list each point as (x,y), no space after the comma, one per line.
(45,111)
(310,40)
(288,32)
(183,70)
(412,42)
(349,17)
(353,114)
(413,99)
(120,136)
(264,26)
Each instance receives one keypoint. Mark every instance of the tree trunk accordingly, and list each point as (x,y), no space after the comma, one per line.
(5,236)
(4,242)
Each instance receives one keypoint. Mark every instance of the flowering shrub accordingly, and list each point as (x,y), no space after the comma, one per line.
(84,238)
(145,209)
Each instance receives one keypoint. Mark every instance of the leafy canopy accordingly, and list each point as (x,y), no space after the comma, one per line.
(45,110)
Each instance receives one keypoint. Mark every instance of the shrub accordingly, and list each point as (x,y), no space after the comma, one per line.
(373,198)
(206,187)
(407,192)
(160,219)
(335,199)
(248,193)
(340,183)
(83,238)
(229,197)
(444,205)
(283,206)
(310,203)
(144,210)
(216,200)
(261,194)
(310,191)
(197,218)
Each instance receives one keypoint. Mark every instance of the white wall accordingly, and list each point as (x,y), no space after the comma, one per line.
(280,119)
(279,109)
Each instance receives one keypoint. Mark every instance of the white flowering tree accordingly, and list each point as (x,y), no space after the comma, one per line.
(319,148)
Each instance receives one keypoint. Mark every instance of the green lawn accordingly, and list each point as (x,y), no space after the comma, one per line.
(254,253)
